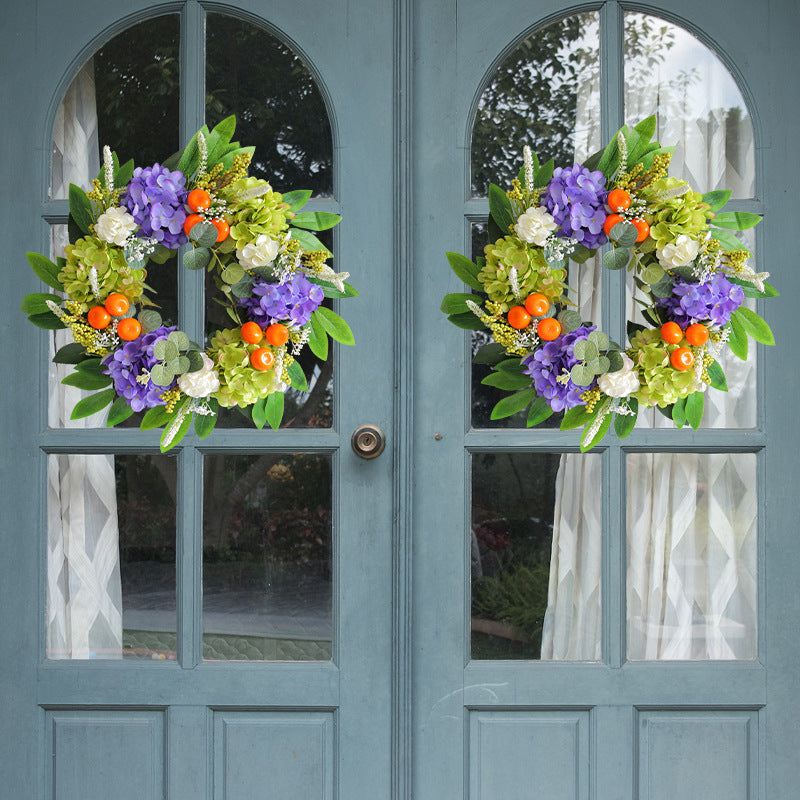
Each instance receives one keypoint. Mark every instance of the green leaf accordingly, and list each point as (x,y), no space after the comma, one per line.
(37,303)
(197,258)
(624,234)
(297,377)
(695,403)
(334,325)
(154,418)
(755,325)
(243,288)
(513,366)
(737,338)
(542,175)
(751,291)
(538,412)
(647,159)
(172,435)
(203,234)
(575,417)
(317,339)
(679,412)
(456,303)
(80,208)
(633,328)
(333,292)
(490,353)
(297,199)
(507,381)
(467,321)
(500,208)
(717,377)
(726,239)
(71,353)
(91,366)
(260,413)
(274,410)
(601,431)
(316,220)
(308,241)
(617,258)
(84,381)
(119,412)
(465,269)
(735,220)
(92,404)
(48,321)
(204,423)
(717,199)
(45,270)
(510,405)
(625,423)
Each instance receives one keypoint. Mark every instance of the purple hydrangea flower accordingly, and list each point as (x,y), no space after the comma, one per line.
(129,362)
(155,197)
(292,301)
(711,302)
(575,197)
(549,362)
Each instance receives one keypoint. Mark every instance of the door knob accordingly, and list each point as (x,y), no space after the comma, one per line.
(368,441)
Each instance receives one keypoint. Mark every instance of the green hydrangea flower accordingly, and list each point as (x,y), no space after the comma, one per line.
(113,272)
(676,215)
(662,384)
(266,213)
(240,384)
(533,274)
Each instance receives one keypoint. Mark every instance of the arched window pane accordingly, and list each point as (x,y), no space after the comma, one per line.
(698,105)
(278,107)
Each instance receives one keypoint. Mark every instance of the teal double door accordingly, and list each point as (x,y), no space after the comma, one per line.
(377,666)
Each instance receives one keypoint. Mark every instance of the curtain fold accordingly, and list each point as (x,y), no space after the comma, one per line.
(84,594)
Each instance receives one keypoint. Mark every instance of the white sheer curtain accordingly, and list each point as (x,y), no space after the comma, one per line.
(84,596)
(691,519)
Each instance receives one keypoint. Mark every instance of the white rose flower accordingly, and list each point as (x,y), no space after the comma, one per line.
(622,383)
(260,253)
(679,253)
(115,226)
(202,383)
(535,225)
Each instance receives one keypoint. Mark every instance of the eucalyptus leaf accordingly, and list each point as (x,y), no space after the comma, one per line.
(195,360)
(161,375)
(150,320)
(599,340)
(603,364)
(183,365)
(581,375)
(179,339)
(653,273)
(615,362)
(204,234)
(624,234)
(662,288)
(233,273)
(570,320)
(198,258)
(617,258)
(243,288)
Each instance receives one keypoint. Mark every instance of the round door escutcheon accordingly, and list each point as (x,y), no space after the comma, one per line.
(368,441)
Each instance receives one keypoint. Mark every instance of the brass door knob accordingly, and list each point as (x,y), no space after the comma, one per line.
(368,441)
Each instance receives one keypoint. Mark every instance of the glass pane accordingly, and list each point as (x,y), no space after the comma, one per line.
(278,107)
(545,94)
(535,545)
(126,96)
(698,106)
(692,564)
(267,570)
(111,557)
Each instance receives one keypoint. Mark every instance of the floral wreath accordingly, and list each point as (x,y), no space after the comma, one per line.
(691,273)
(271,271)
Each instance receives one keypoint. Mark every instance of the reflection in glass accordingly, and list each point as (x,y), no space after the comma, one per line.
(699,107)
(692,563)
(267,541)
(535,590)
(278,107)
(111,557)
(545,94)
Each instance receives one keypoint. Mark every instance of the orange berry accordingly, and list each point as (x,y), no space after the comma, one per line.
(223,229)
(611,221)
(671,332)
(190,222)
(548,329)
(252,333)
(518,317)
(618,200)
(98,317)
(198,200)
(697,334)
(536,304)
(117,304)
(682,358)
(262,359)
(642,227)
(129,329)
(277,334)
